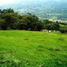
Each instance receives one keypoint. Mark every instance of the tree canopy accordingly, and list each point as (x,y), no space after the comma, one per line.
(9,19)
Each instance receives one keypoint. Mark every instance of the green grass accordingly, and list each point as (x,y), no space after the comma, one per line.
(33,49)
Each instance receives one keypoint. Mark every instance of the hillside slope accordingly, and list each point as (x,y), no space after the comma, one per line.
(33,49)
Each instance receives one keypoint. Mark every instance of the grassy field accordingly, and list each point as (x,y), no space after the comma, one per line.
(33,49)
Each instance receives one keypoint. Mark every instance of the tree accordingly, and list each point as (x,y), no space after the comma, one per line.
(7,10)
(10,19)
(29,22)
(1,23)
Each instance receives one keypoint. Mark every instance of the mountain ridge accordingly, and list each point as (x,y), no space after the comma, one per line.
(48,9)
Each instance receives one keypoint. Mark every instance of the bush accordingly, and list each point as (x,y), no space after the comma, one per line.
(63,31)
(63,28)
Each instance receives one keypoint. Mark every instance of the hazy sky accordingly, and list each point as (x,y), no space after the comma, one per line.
(4,2)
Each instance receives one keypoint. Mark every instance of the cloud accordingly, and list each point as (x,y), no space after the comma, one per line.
(4,2)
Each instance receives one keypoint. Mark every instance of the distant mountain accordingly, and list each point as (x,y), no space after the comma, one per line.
(49,9)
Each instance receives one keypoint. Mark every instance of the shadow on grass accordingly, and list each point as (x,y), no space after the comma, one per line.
(54,63)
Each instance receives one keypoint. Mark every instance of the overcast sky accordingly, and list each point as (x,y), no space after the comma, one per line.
(4,2)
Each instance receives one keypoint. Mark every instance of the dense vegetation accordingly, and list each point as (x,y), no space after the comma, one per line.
(9,19)
(33,49)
